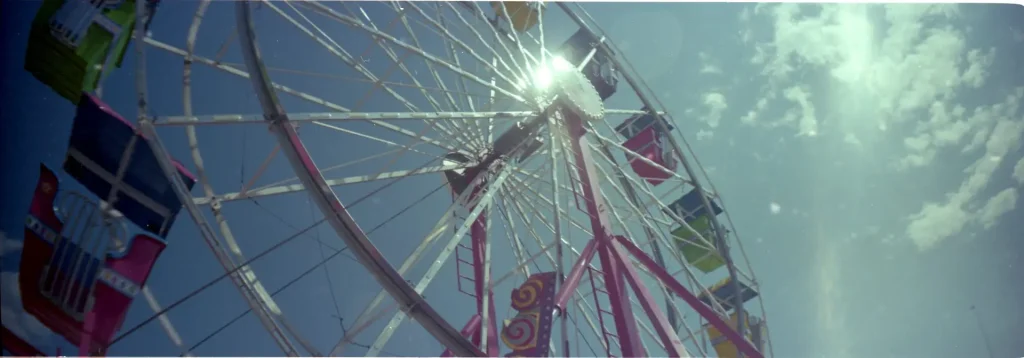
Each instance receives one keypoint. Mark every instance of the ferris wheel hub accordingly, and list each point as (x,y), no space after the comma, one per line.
(577,94)
(559,82)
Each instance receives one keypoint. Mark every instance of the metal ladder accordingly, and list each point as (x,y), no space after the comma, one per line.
(459,262)
(608,337)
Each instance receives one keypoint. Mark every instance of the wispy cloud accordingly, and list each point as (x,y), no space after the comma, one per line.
(716,104)
(902,68)
(1018,171)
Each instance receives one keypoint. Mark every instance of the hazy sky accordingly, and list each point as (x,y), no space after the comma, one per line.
(870,156)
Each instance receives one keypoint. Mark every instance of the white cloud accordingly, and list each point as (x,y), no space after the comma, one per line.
(852,139)
(1018,171)
(887,55)
(977,72)
(881,71)
(8,245)
(710,69)
(996,206)
(804,117)
(949,127)
(704,134)
(16,319)
(775,208)
(707,64)
(938,221)
(751,116)
(716,104)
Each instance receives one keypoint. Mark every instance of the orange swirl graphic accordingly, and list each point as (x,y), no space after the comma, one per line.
(521,332)
(525,297)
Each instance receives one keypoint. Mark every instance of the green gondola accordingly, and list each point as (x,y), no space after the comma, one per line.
(71,70)
(690,209)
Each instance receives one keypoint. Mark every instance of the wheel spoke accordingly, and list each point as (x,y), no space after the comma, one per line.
(285,189)
(328,117)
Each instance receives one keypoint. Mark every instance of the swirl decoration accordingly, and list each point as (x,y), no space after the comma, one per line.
(524,298)
(529,333)
(521,332)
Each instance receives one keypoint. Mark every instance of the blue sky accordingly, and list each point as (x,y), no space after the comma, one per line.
(869,155)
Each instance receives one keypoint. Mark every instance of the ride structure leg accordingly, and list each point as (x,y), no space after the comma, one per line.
(478,234)
(572,281)
(478,237)
(662,325)
(743,345)
(625,322)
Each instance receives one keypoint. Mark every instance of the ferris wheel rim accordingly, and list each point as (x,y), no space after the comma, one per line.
(266,82)
(325,198)
(260,80)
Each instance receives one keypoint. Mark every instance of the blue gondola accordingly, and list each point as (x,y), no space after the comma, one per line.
(98,139)
(600,70)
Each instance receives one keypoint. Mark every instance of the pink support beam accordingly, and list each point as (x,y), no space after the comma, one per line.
(625,323)
(743,345)
(575,275)
(662,326)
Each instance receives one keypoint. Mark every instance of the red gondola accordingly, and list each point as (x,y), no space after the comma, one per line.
(80,269)
(647,138)
(72,278)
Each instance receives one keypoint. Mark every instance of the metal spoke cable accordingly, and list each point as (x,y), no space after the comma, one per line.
(323,257)
(410,206)
(322,263)
(247,262)
(212,282)
(328,76)
(339,51)
(327,273)
(286,223)
(301,95)
(580,334)
(279,290)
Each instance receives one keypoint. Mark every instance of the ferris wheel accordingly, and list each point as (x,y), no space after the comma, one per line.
(496,172)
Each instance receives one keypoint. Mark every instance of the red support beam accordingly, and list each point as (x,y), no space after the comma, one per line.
(625,322)
(667,333)
(741,343)
(575,275)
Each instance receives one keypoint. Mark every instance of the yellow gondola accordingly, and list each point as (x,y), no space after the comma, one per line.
(724,348)
(524,15)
